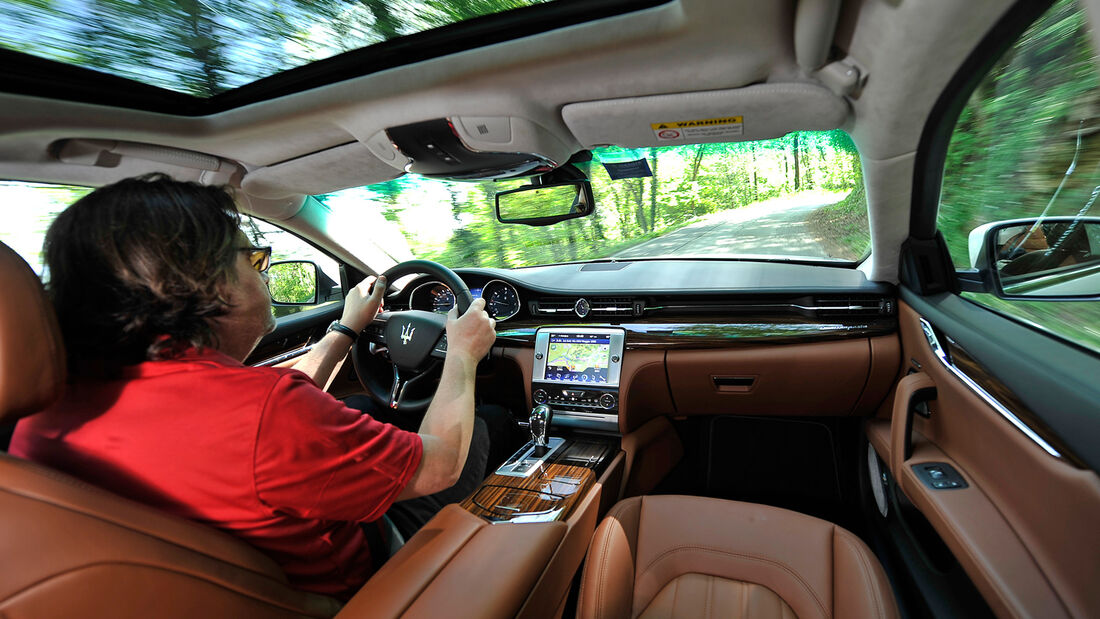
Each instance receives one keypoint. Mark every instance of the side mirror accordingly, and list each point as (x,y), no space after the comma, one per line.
(1049,258)
(542,205)
(293,282)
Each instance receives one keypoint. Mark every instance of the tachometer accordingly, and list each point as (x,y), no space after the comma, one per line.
(432,296)
(501,299)
(442,298)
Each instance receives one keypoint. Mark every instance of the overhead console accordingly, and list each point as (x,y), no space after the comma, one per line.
(576,373)
(470,148)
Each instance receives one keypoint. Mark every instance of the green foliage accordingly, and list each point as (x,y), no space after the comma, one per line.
(842,227)
(1015,153)
(455,223)
(1017,136)
(293,282)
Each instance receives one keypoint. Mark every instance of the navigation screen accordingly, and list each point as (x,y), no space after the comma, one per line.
(578,357)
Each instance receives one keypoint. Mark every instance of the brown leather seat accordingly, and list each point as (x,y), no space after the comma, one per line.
(681,556)
(72,550)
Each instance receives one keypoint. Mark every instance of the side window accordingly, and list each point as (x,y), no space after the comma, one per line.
(32,207)
(287,246)
(29,209)
(1027,145)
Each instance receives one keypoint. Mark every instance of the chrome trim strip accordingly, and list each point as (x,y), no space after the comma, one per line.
(412,295)
(298,352)
(941,354)
(727,306)
(587,421)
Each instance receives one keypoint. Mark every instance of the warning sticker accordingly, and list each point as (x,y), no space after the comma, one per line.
(704,128)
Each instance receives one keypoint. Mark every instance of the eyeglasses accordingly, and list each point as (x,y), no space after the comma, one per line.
(258,257)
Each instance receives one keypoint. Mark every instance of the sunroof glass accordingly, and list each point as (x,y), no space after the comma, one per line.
(206,47)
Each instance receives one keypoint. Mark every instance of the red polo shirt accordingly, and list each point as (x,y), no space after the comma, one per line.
(259,452)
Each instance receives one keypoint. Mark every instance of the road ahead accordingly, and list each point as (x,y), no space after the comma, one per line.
(774,227)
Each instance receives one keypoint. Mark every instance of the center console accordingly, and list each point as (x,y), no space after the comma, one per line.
(576,373)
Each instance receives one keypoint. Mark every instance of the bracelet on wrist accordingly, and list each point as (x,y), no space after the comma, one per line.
(339,328)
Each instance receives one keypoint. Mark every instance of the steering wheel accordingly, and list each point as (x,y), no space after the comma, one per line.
(412,341)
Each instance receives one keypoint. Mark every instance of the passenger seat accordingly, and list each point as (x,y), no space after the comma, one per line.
(683,556)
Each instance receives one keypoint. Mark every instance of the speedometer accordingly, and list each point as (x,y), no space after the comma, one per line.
(501,299)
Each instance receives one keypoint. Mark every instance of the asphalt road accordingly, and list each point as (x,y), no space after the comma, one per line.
(774,228)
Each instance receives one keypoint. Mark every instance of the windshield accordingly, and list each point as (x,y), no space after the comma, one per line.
(797,197)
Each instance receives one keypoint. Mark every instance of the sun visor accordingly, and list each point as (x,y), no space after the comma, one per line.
(471,147)
(758,112)
(340,167)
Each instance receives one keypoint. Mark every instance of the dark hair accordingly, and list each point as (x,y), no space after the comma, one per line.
(135,269)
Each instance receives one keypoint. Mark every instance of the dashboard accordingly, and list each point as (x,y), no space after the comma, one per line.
(672,302)
(610,345)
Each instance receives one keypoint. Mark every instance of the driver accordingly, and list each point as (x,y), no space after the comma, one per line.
(160,297)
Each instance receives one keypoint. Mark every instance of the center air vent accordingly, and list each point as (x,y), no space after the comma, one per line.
(616,306)
(582,307)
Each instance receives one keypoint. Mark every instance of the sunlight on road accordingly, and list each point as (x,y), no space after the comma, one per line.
(773,228)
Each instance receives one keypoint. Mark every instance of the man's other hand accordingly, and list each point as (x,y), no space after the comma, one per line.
(362,303)
(471,334)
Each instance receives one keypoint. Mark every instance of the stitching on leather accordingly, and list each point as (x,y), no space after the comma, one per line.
(603,571)
(864,570)
(773,562)
(706,601)
(129,527)
(238,589)
(675,595)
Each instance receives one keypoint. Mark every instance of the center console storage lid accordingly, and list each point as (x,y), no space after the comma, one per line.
(434,574)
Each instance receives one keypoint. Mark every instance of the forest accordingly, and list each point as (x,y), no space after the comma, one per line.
(688,184)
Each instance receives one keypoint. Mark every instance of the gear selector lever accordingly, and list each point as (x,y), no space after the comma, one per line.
(539,423)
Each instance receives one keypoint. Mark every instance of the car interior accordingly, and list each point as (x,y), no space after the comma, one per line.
(761,436)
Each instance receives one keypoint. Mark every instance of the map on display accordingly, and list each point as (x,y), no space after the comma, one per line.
(578,358)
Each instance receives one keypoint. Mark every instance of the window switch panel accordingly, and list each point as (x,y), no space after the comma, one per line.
(939,476)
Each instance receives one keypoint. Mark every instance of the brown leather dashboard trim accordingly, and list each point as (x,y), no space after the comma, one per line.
(691,332)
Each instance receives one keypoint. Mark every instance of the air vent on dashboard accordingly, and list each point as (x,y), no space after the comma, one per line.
(596,307)
(552,307)
(617,306)
(853,306)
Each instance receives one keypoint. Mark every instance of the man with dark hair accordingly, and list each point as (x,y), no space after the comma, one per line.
(160,298)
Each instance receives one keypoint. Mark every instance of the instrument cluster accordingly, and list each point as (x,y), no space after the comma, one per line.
(501,299)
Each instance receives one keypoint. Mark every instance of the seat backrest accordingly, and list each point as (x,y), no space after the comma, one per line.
(74,550)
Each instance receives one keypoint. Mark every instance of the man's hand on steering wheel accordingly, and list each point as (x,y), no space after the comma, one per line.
(472,334)
(362,303)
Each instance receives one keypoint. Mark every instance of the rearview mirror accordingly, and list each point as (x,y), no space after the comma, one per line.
(1048,258)
(542,205)
(293,282)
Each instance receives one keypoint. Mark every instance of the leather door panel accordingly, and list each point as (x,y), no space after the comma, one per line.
(1025,530)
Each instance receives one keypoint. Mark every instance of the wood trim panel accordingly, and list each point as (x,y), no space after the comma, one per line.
(553,491)
(691,332)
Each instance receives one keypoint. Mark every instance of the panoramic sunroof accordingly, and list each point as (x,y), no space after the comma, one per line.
(203,48)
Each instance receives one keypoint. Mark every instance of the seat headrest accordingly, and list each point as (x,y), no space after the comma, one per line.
(32,356)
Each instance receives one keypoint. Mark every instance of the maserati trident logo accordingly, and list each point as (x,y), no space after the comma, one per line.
(407,333)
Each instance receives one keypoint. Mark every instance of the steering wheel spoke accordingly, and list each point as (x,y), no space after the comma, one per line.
(401,383)
(439,351)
